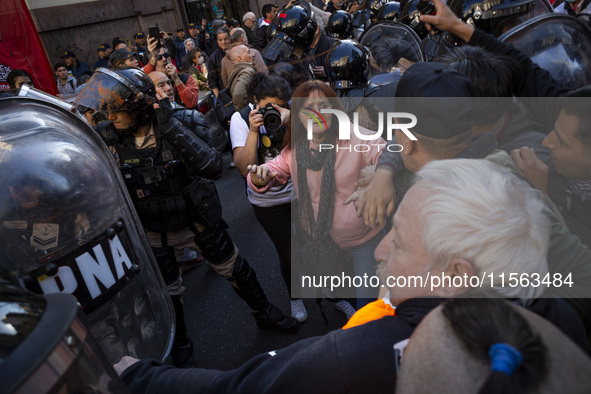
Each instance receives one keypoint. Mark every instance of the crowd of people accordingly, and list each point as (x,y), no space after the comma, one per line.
(492,181)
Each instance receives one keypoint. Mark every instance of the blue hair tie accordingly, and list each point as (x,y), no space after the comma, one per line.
(504,358)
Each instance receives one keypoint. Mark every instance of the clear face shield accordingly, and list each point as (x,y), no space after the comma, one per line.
(106,92)
(558,43)
(393,47)
(280,47)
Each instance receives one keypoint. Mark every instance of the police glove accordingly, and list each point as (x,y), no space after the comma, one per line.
(164,112)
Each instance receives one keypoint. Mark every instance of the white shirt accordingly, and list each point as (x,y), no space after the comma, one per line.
(277,195)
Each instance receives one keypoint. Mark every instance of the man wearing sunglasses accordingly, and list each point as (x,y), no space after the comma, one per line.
(186,90)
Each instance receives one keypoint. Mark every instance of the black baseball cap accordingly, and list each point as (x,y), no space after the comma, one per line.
(139,35)
(117,41)
(67,54)
(440,97)
(103,47)
(192,26)
(180,29)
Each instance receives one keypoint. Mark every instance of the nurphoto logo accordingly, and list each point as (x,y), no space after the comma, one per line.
(316,117)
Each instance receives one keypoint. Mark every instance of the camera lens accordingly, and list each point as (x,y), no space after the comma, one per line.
(272,119)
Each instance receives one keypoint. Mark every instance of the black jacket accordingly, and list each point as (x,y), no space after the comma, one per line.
(214,68)
(261,41)
(356,360)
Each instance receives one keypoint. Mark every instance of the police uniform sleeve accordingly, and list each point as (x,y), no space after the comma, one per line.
(199,157)
(196,122)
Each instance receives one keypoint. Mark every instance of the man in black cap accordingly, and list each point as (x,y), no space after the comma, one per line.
(118,43)
(179,44)
(75,67)
(142,48)
(104,52)
(194,32)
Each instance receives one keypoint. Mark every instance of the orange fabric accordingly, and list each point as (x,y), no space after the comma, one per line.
(372,311)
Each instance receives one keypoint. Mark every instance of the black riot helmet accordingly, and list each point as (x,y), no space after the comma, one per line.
(346,65)
(340,25)
(390,11)
(125,89)
(374,6)
(298,24)
(493,16)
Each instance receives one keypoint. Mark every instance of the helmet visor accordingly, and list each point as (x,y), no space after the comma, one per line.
(277,49)
(106,92)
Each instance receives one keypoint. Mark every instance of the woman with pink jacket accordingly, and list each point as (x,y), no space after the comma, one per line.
(324,171)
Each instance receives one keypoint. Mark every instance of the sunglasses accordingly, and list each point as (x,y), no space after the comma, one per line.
(164,55)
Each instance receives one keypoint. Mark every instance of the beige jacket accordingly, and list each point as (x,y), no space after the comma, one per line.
(238,83)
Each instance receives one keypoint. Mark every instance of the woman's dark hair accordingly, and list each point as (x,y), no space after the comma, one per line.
(480,323)
(271,85)
(289,72)
(305,90)
(492,76)
(16,73)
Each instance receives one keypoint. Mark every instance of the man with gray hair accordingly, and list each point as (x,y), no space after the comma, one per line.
(249,21)
(238,37)
(355,359)
(185,61)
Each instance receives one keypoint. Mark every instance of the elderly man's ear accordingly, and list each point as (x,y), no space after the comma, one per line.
(457,267)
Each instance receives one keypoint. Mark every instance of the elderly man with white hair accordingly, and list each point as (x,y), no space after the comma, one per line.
(185,60)
(456,220)
(249,23)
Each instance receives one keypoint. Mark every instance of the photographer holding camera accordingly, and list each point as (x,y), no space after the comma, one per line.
(257,133)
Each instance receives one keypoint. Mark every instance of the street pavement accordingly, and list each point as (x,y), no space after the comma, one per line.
(223,330)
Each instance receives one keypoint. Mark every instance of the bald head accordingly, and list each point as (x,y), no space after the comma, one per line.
(240,54)
(238,35)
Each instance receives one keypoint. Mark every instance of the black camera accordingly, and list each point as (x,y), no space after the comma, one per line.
(272,123)
(271,117)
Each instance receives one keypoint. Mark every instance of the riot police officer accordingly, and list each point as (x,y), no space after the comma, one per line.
(164,165)
(349,78)
(296,31)
(340,25)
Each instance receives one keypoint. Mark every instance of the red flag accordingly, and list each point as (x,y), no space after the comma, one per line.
(21,47)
